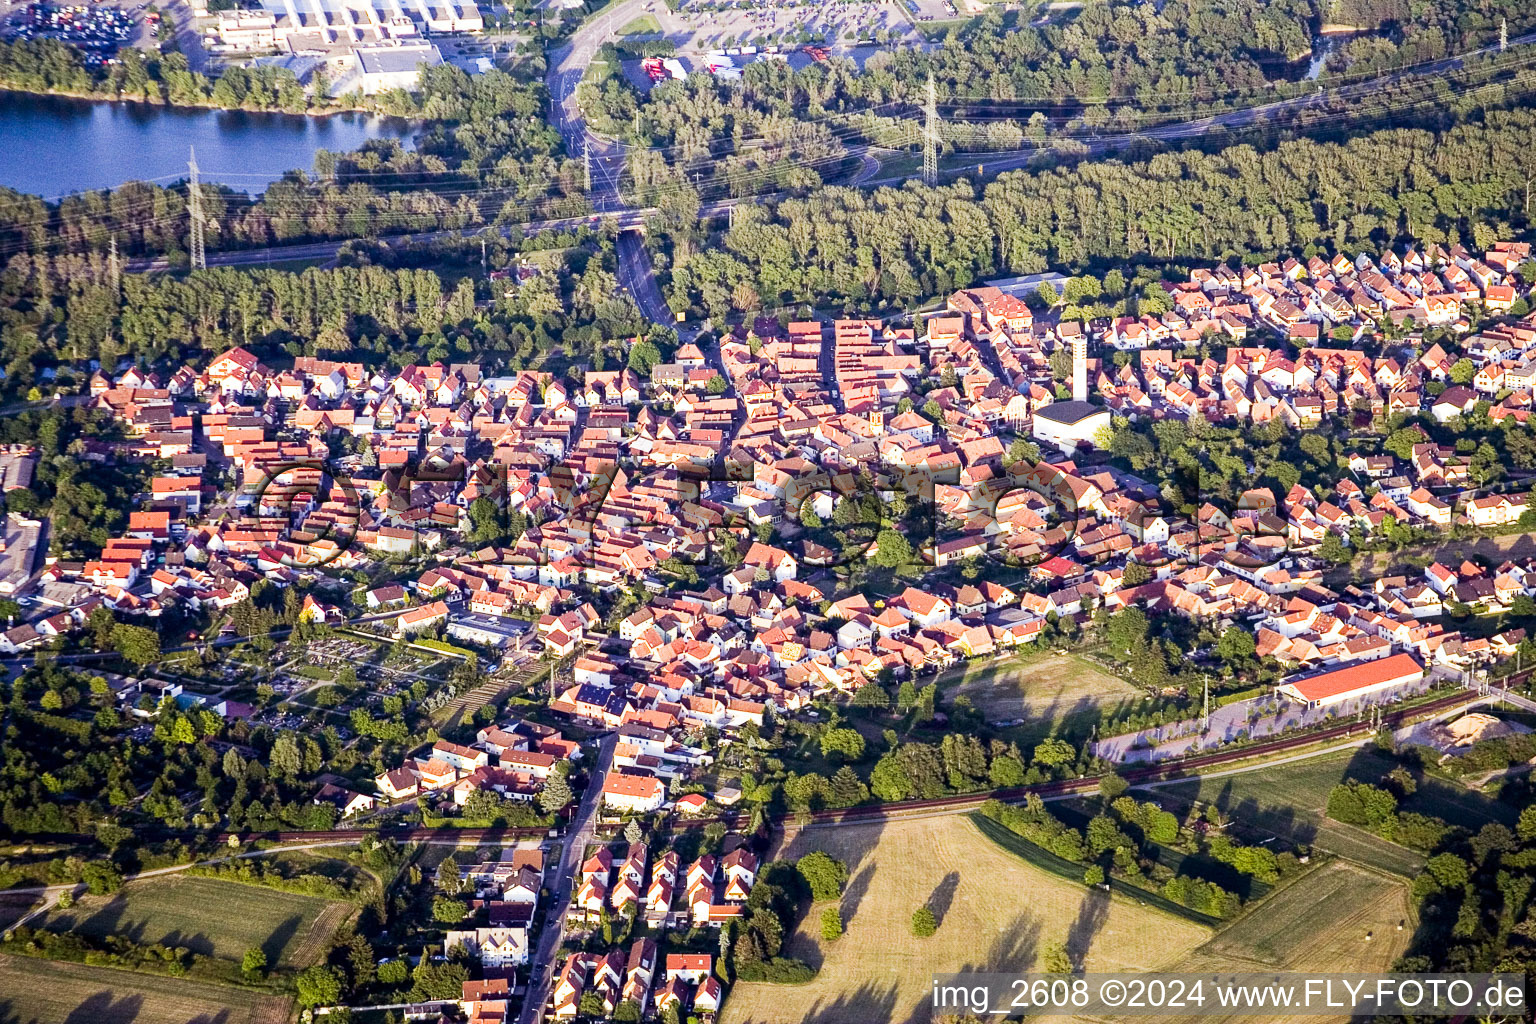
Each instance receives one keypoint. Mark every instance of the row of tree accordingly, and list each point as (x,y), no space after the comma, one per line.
(891,247)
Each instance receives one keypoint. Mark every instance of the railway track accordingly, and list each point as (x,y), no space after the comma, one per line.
(1186,767)
(1182,767)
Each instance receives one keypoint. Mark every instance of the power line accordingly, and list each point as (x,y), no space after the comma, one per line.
(195,211)
(931,136)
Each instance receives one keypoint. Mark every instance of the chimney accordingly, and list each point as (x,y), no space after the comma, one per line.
(1080,369)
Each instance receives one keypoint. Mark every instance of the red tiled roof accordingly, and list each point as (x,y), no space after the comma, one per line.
(1356,677)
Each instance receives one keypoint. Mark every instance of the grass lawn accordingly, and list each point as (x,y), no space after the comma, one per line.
(47,992)
(935,31)
(1288,801)
(995,913)
(645,25)
(1318,922)
(208,917)
(1038,686)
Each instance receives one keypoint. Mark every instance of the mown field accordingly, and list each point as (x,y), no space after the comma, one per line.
(1288,801)
(208,917)
(47,992)
(1320,922)
(995,913)
(1037,685)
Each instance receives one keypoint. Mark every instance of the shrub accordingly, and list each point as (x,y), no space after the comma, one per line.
(923,922)
(831,924)
(823,875)
(780,970)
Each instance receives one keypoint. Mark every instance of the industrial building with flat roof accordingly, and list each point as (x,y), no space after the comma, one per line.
(1361,680)
(380,68)
(330,25)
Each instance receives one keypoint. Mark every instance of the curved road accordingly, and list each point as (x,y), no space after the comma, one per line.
(568,63)
(604,157)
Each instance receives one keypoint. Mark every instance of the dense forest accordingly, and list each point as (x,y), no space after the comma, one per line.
(1003,79)
(59,311)
(891,247)
(485,155)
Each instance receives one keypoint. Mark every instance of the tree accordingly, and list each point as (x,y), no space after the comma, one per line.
(892,550)
(1462,371)
(285,760)
(1112,786)
(1136,574)
(591,1005)
(1525,828)
(448,877)
(1449,870)
(831,924)
(1006,771)
(842,744)
(848,790)
(555,794)
(1127,628)
(1094,875)
(1333,549)
(627,1012)
(906,696)
(101,878)
(823,875)
(643,356)
(1054,753)
(633,833)
(1235,647)
(254,963)
(1055,958)
(923,922)
(137,644)
(447,911)
(486,517)
(318,986)
(716,385)
(182,732)
(889,780)
(871,695)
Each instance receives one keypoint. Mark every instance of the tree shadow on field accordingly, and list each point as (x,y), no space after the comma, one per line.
(869,1003)
(858,888)
(222,1017)
(100,1008)
(281,935)
(1091,915)
(943,896)
(1013,951)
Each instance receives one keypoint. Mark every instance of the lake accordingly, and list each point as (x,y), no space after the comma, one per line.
(54,145)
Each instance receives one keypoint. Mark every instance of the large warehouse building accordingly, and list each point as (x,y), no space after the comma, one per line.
(1353,681)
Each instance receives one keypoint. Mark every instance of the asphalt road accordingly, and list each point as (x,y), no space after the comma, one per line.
(568,63)
(577,835)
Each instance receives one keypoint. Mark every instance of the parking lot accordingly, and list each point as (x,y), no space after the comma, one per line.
(701,26)
(99,30)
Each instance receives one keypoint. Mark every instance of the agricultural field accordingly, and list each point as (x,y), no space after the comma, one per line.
(208,917)
(1288,801)
(1037,685)
(13,907)
(49,992)
(995,913)
(1319,922)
